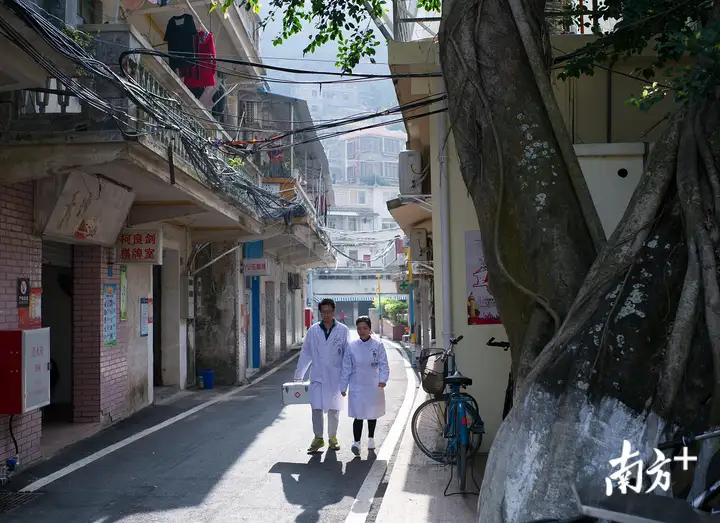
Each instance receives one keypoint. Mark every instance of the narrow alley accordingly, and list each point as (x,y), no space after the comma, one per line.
(242,458)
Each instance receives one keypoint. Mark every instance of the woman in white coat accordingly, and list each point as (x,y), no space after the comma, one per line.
(366,371)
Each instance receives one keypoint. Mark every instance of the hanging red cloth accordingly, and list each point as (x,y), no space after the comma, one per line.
(202,74)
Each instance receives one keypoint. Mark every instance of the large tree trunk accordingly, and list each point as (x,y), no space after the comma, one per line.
(640,337)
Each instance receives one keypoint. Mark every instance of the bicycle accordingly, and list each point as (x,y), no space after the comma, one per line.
(454,413)
(632,508)
(507,406)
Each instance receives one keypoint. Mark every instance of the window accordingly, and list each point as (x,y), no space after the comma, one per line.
(352,224)
(314,93)
(391,146)
(350,147)
(388,223)
(370,168)
(370,144)
(390,170)
(351,174)
(357,197)
(353,254)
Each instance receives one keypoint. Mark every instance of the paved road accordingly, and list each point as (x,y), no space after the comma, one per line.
(238,460)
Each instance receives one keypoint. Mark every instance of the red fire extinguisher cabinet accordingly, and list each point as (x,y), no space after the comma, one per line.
(24,370)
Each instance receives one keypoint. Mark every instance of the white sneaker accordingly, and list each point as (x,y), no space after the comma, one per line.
(371,444)
(355,448)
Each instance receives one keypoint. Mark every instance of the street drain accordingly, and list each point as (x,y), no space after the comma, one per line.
(12,500)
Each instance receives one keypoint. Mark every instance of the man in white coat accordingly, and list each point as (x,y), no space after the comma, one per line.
(324,348)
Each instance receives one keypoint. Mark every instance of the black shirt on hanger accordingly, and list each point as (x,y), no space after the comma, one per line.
(179,34)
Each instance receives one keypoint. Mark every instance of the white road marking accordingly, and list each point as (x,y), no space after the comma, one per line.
(366,495)
(40,483)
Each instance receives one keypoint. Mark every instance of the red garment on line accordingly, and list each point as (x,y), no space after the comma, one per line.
(203,73)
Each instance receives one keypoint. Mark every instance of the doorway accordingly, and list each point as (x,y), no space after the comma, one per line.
(157,323)
(57,313)
(58,427)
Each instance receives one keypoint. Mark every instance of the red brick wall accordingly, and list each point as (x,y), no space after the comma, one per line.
(100,373)
(20,257)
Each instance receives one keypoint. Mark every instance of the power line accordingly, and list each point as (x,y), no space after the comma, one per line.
(247,63)
(340,123)
(202,153)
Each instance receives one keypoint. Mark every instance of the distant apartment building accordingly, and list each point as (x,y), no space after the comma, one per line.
(370,245)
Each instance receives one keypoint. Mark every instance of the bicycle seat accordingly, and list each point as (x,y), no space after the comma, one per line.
(458,379)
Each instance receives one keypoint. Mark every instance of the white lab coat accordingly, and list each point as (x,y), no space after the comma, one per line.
(326,357)
(364,366)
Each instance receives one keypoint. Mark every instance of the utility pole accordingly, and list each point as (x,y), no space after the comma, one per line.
(411,311)
(292,140)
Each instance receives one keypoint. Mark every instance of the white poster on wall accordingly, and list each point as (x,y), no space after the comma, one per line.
(481,306)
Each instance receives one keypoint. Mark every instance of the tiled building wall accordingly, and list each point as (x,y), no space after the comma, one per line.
(100,372)
(20,257)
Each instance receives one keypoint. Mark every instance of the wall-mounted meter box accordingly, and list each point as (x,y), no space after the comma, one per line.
(187,297)
(24,370)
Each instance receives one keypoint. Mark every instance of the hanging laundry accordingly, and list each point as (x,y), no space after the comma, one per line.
(219,101)
(202,73)
(207,97)
(197,91)
(180,36)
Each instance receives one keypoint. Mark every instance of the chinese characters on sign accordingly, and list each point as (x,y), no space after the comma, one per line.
(143,317)
(23,293)
(123,293)
(110,314)
(630,473)
(255,267)
(30,317)
(140,246)
(481,308)
(36,368)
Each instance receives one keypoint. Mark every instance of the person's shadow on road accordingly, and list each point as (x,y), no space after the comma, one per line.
(320,483)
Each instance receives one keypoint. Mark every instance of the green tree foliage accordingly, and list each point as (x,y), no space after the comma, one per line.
(683,34)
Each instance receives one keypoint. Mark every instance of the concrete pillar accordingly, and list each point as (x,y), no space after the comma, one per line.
(219,344)
(174,333)
(100,372)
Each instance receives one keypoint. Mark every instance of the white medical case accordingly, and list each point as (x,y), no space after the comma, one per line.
(296,393)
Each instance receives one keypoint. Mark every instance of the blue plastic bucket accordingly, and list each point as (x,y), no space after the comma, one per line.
(208,378)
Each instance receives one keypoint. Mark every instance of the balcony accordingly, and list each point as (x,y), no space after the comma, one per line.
(52,135)
(301,242)
(237,31)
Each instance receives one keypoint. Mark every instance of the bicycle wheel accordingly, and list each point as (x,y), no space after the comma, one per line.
(460,451)
(475,439)
(461,466)
(428,429)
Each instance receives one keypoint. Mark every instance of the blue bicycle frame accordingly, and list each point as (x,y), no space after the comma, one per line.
(456,411)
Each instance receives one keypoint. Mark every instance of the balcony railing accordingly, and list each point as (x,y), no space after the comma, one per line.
(53,113)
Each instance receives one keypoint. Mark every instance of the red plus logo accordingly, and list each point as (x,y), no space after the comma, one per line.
(297,394)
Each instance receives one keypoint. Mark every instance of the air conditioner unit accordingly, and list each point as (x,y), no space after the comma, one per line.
(410,172)
(294,281)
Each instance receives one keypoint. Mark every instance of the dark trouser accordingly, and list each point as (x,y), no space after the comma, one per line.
(358,426)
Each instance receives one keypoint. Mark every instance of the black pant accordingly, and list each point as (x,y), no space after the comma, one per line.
(358,426)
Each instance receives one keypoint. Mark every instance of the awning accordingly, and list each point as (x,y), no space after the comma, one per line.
(317,298)
(411,215)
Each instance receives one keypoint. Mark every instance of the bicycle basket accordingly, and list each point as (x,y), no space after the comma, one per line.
(432,372)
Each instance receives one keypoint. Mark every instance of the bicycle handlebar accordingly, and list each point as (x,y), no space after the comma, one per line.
(502,344)
(685,441)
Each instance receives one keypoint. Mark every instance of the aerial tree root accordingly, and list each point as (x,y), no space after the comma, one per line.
(638,353)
